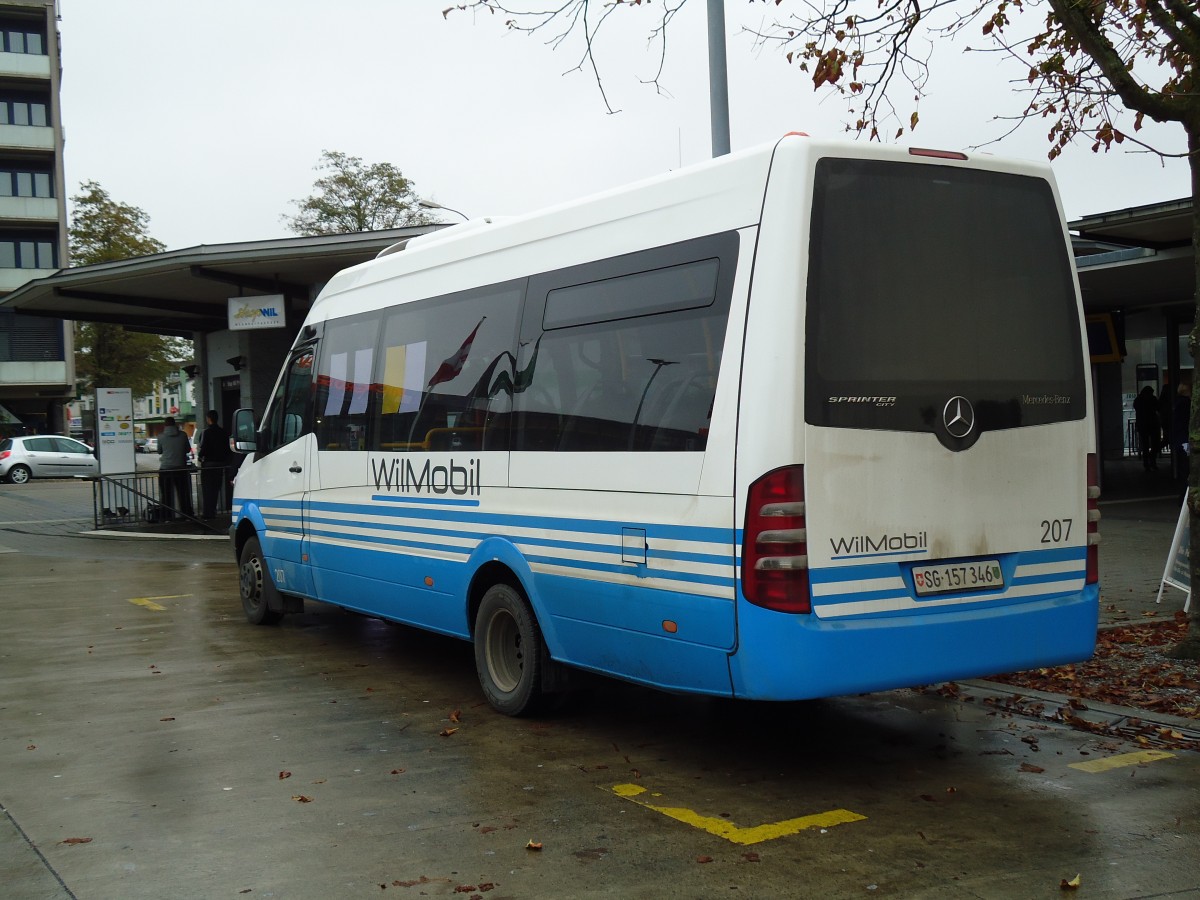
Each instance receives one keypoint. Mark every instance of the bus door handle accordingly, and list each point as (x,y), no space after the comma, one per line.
(295,469)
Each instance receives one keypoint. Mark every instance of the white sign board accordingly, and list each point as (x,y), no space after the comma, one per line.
(114,431)
(1178,573)
(251,313)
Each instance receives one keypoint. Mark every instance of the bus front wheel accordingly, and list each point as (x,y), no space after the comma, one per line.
(508,651)
(256,587)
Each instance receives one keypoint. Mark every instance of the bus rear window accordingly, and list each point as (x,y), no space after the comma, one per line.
(931,281)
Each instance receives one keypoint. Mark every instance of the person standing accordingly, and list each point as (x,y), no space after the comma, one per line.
(215,456)
(1145,411)
(174,477)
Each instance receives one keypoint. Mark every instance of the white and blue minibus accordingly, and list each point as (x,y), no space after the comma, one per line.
(806,420)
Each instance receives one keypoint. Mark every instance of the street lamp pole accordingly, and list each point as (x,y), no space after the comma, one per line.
(718,79)
(432,204)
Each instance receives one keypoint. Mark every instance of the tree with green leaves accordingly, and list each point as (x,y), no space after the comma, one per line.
(353,196)
(1088,70)
(103,230)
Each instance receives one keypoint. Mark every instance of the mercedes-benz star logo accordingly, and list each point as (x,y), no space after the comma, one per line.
(958,417)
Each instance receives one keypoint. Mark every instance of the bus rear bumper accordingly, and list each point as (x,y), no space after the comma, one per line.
(784,656)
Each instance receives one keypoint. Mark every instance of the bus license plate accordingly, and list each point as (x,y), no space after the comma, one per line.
(980,575)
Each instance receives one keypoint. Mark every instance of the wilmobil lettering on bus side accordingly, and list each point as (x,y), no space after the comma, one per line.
(401,476)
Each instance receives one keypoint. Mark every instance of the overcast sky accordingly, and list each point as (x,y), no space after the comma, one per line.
(211,115)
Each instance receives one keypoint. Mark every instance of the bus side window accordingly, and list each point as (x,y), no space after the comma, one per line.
(343,393)
(444,372)
(289,416)
(631,360)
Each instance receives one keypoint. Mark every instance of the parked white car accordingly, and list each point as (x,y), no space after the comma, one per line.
(45,456)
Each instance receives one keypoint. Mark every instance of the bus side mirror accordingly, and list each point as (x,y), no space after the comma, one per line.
(244,436)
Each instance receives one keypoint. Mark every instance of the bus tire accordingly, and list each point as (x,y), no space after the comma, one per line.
(509,652)
(260,599)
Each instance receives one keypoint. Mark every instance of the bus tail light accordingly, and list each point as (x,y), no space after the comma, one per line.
(775,543)
(1093,520)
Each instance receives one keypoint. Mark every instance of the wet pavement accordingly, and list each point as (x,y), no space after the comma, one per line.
(152,744)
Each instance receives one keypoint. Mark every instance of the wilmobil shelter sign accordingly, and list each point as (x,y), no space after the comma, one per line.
(256,313)
(1178,573)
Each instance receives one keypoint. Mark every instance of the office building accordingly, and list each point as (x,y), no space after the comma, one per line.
(37,368)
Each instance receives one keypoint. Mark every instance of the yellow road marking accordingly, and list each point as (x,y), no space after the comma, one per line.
(1122,759)
(723,828)
(148,602)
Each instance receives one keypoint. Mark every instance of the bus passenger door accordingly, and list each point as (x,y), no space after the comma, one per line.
(285,462)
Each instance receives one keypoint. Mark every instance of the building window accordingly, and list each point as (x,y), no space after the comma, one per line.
(30,338)
(28,253)
(15,183)
(18,111)
(14,39)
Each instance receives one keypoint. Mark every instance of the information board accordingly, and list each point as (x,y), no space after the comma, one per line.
(114,431)
(1178,573)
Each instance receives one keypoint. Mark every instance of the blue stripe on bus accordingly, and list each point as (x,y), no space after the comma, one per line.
(642,571)
(1050,577)
(875,555)
(558,543)
(695,533)
(639,572)
(658,531)
(427,501)
(1022,558)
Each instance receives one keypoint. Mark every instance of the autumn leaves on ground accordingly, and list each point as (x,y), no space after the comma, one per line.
(1129,669)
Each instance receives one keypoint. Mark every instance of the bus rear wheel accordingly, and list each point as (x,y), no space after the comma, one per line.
(256,587)
(509,652)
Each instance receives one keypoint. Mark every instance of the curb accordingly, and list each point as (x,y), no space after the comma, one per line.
(1094,712)
(144,535)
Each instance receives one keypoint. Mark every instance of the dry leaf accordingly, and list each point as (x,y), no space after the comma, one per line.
(397,771)
(167,719)
(456,716)
(1030,767)
(76,841)
(284,774)
(300,798)
(704,859)
(446,732)
(534,845)
(1071,885)
(424,879)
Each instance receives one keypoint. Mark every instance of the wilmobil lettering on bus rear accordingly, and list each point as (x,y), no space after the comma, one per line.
(865,544)
(402,476)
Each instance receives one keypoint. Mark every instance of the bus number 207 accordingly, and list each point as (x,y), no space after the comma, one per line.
(1055,531)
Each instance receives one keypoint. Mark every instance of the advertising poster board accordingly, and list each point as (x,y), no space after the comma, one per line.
(1178,571)
(114,430)
(115,446)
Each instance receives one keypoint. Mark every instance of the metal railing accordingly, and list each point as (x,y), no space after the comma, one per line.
(151,499)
